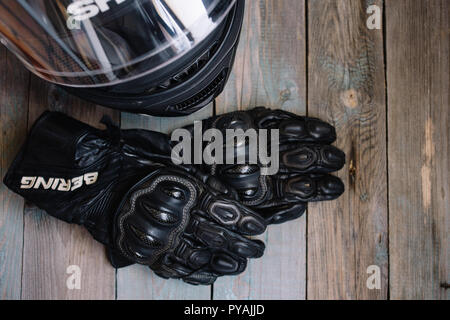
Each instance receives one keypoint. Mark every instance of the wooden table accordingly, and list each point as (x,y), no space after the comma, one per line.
(386,91)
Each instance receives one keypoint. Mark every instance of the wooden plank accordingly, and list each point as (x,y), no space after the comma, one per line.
(270,70)
(14,83)
(346,88)
(418,37)
(138,282)
(50,245)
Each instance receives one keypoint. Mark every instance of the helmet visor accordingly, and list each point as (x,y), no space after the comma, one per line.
(90,43)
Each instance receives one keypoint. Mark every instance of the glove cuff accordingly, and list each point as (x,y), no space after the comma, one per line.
(67,169)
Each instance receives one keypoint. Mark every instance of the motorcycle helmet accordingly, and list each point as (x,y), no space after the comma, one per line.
(156,57)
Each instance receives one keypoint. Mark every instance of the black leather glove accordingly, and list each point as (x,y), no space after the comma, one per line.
(120,186)
(305,160)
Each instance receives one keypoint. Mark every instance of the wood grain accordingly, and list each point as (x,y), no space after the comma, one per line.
(14,80)
(419,153)
(270,70)
(139,282)
(315,57)
(346,88)
(50,245)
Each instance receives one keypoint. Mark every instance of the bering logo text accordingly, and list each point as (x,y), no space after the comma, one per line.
(58,184)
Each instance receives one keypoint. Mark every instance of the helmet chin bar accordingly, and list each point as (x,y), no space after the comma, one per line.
(182,87)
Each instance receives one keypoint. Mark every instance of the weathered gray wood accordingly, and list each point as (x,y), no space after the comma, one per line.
(139,282)
(418,40)
(50,245)
(346,87)
(14,82)
(270,71)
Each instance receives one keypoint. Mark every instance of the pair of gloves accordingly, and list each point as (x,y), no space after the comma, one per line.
(189,222)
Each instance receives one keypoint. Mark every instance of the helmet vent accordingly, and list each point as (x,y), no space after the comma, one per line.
(187,73)
(203,95)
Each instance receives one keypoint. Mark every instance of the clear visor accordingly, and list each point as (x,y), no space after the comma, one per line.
(90,43)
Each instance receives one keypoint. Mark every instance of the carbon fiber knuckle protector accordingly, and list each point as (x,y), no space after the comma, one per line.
(153,217)
(170,222)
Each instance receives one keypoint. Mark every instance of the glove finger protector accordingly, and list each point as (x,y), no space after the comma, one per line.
(118,184)
(306,159)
